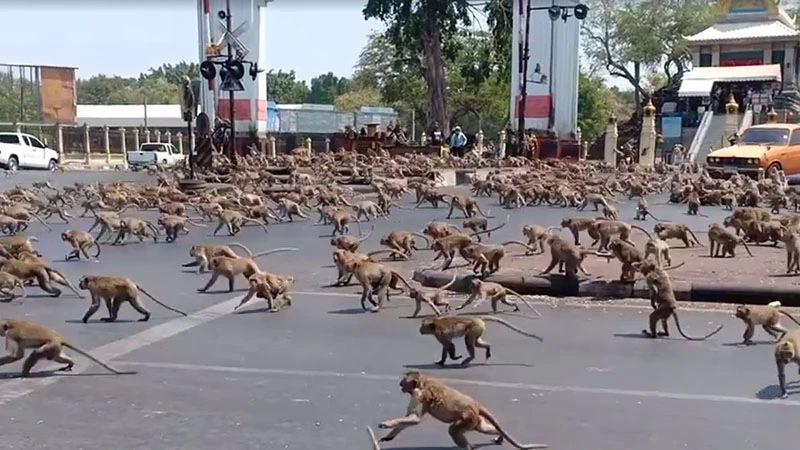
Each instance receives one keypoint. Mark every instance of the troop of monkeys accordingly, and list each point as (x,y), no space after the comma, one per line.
(556,183)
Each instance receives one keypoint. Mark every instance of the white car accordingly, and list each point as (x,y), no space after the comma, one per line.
(23,150)
(155,153)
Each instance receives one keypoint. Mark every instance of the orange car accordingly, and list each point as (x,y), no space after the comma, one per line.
(759,147)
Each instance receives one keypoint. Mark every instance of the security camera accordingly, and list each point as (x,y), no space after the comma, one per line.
(222,14)
(554,12)
(581,11)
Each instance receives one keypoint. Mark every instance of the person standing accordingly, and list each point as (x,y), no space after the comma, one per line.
(458,142)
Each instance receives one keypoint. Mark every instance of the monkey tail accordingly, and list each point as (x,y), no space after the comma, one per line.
(486,215)
(161,303)
(362,239)
(637,227)
(524,300)
(449,283)
(197,224)
(527,247)
(427,241)
(274,250)
(689,338)
(654,217)
(491,419)
(241,246)
(511,326)
(695,237)
(36,216)
(372,438)
(24,292)
(392,251)
(153,227)
(675,266)
(51,271)
(489,230)
(791,317)
(87,355)
(400,277)
(746,247)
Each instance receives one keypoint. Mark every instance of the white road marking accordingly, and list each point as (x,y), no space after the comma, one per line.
(18,387)
(493,384)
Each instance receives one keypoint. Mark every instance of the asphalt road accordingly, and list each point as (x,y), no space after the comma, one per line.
(314,375)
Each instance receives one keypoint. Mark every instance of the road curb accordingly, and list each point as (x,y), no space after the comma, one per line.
(560,286)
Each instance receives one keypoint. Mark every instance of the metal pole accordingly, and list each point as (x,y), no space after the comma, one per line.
(231,93)
(191,150)
(145,112)
(413,123)
(523,93)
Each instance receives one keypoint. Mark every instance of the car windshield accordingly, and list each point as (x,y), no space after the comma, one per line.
(152,148)
(775,136)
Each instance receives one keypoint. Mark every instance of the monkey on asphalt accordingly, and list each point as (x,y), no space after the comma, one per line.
(496,292)
(448,405)
(445,329)
(44,342)
(787,350)
(768,317)
(115,291)
(80,241)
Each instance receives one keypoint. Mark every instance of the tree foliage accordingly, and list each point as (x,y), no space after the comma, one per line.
(354,99)
(325,88)
(18,102)
(633,38)
(284,87)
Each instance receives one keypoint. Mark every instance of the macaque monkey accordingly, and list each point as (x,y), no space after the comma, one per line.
(537,235)
(350,243)
(567,256)
(203,252)
(42,273)
(346,262)
(768,317)
(341,222)
(13,245)
(628,255)
(445,329)
(610,212)
(448,405)
(115,291)
(438,230)
(369,210)
(8,283)
(486,257)
(477,224)
(791,242)
(403,242)
(447,246)
(325,214)
(140,228)
(270,287)
(680,231)
(787,350)
(224,266)
(607,228)
(658,250)
(578,224)
(595,200)
(433,299)
(288,208)
(80,241)
(173,224)
(467,205)
(55,209)
(723,241)
(664,303)
(234,221)
(375,279)
(693,204)
(642,210)
(45,342)
(481,290)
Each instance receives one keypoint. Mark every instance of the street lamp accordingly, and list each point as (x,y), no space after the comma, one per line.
(555,12)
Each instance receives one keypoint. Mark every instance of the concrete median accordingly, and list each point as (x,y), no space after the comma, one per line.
(560,286)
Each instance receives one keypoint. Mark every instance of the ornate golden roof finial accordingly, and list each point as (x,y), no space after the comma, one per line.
(649,110)
(732,107)
(772,115)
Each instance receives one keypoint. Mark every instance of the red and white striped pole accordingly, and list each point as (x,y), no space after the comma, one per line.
(207,14)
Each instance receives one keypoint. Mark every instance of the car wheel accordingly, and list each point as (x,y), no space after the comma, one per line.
(164,161)
(776,165)
(52,166)
(13,164)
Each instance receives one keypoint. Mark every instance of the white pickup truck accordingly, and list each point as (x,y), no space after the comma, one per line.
(23,150)
(155,153)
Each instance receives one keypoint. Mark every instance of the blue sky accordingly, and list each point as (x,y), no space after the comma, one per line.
(126,40)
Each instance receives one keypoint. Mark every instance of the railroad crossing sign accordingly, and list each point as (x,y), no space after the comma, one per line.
(232,38)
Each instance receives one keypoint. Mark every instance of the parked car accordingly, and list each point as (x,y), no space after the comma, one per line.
(759,147)
(21,150)
(155,153)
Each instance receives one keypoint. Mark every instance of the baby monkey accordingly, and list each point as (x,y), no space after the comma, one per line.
(45,342)
(80,241)
(768,317)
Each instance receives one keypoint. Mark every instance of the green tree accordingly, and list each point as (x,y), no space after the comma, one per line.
(173,73)
(325,88)
(594,107)
(354,99)
(499,18)
(634,37)
(424,28)
(18,100)
(105,90)
(283,87)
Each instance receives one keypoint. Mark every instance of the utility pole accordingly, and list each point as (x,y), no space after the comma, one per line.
(231,95)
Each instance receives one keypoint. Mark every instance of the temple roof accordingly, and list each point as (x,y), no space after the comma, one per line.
(748,20)
(745,30)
